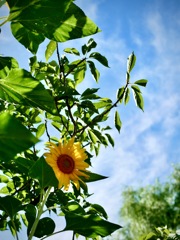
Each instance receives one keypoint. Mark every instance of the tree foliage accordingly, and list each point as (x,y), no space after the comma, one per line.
(44,97)
(152,207)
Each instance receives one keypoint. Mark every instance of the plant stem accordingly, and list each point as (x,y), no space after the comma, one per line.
(40,211)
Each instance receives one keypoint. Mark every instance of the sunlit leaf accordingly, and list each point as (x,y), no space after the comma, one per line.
(20,87)
(110,139)
(92,136)
(138,98)
(94,70)
(141,82)
(40,130)
(89,46)
(11,130)
(99,58)
(4,179)
(127,96)
(72,51)
(100,210)
(136,88)
(80,74)
(63,22)
(6,64)
(44,173)
(30,39)
(118,122)
(131,62)
(51,47)
(120,94)
(89,225)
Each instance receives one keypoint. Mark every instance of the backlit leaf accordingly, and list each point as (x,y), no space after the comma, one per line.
(131,62)
(11,130)
(138,99)
(40,130)
(51,47)
(20,87)
(118,122)
(127,96)
(89,225)
(6,64)
(141,82)
(57,20)
(99,58)
(72,51)
(94,70)
(30,39)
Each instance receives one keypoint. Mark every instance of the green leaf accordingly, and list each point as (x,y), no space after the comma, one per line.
(63,22)
(94,71)
(127,96)
(29,39)
(23,164)
(6,64)
(45,226)
(14,137)
(40,130)
(141,82)
(93,177)
(4,179)
(74,207)
(100,210)
(136,88)
(131,62)
(89,91)
(110,139)
(120,94)
(20,87)
(103,103)
(92,136)
(51,47)
(88,47)
(89,225)
(79,74)
(44,173)
(99,58)
(138,98)
(72,51)
(118,122)
(10,205)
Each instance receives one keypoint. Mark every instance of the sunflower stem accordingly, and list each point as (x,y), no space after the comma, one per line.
(43,199)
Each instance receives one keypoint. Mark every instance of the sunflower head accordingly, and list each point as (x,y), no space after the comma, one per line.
(67,160)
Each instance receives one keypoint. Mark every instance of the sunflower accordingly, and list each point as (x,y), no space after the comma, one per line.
(67,161)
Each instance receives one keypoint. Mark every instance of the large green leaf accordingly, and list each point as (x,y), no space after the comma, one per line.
(30,39)
(45,226)
(14,137)
(44,173)
(89,225)
(6,64)
(10,205)
(20,87)
(57,20)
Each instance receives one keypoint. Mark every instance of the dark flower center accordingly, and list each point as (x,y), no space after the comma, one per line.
(65,163)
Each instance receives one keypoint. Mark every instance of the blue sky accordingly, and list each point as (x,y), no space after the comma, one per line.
(149,142)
